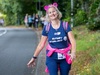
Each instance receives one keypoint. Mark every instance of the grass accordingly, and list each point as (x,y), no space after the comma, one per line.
(88,52)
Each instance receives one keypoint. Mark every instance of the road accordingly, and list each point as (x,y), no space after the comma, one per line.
(16,49)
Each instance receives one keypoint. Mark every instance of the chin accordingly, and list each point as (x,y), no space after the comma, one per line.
(54,18)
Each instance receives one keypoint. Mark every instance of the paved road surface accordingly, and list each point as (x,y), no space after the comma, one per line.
(16,49)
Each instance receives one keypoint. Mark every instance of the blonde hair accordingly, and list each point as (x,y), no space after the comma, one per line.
(59,14)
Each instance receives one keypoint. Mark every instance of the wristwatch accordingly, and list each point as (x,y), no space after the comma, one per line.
(34,57)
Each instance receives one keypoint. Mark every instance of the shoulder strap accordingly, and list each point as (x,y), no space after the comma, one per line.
(47,27)
(65,25)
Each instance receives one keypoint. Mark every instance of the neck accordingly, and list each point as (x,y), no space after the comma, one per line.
(55,22)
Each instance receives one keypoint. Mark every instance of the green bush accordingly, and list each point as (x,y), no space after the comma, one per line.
(67,19)
(95,24)
(80,18)
(13,20)
(94,16)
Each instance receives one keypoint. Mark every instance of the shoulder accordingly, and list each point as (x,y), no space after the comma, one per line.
(65,24)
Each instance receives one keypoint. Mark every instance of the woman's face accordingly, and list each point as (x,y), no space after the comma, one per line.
(52,13)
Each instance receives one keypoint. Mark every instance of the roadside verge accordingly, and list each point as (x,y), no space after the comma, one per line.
(40,66)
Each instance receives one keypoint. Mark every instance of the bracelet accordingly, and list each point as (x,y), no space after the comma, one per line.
(34,57)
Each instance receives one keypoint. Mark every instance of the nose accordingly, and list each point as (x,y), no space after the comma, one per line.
(52,13)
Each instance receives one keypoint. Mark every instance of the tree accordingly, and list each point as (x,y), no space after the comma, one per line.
(11,9)
(93,16)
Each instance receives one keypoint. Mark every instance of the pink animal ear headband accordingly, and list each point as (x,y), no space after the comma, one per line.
(48,6)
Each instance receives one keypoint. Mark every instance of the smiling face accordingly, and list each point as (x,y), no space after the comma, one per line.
(52,13)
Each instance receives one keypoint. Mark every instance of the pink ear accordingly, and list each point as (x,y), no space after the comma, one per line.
(55,4)
(46,7)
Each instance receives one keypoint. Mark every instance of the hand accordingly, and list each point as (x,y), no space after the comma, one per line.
(31,63)
(73,55)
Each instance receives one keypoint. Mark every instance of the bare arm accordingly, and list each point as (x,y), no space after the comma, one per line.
(40,46)
(73,43)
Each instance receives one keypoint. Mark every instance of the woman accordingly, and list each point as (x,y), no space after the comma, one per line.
(36,21)
(30,21)
(26,20)
(42,20)
(57,41)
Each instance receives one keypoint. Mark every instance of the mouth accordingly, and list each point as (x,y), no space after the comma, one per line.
(53,16)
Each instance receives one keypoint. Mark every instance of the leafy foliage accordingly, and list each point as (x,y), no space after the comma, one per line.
(94,20)
(88,54)
(80,18)
(11,9)
(84,10)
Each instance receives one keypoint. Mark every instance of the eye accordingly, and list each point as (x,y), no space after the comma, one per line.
(49,12)
(54,11)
